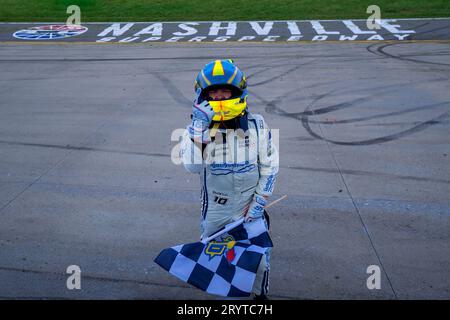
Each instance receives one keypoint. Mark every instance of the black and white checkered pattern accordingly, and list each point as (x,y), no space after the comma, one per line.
(215,274)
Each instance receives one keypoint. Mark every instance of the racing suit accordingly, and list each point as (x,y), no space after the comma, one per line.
(232,169)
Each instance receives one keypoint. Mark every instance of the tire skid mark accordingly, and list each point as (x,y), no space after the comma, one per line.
(384,115)
(285,73)
(420,127)
(398,124)
(369,173)
(381,50)
(69,147)
(303,116)
(173,90)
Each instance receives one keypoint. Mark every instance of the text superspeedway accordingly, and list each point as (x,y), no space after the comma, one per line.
(342,30)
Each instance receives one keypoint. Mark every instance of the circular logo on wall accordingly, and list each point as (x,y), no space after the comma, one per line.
(55,31)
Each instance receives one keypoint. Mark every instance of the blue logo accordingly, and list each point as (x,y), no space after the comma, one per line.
(48,32)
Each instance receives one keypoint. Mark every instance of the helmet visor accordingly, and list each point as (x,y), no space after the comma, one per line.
(221,92)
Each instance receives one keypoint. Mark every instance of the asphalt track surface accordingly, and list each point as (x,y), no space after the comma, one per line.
(86,176)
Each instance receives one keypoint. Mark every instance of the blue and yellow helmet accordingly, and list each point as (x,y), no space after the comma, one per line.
(223,74)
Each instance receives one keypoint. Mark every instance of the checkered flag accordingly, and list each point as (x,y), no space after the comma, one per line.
(226,266)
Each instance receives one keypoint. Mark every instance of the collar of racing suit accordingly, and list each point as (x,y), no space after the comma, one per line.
(240,122)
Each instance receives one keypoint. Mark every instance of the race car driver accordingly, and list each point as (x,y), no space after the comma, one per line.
(232,150)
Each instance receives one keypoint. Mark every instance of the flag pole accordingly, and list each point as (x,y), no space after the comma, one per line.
(234,224)
(276,201)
